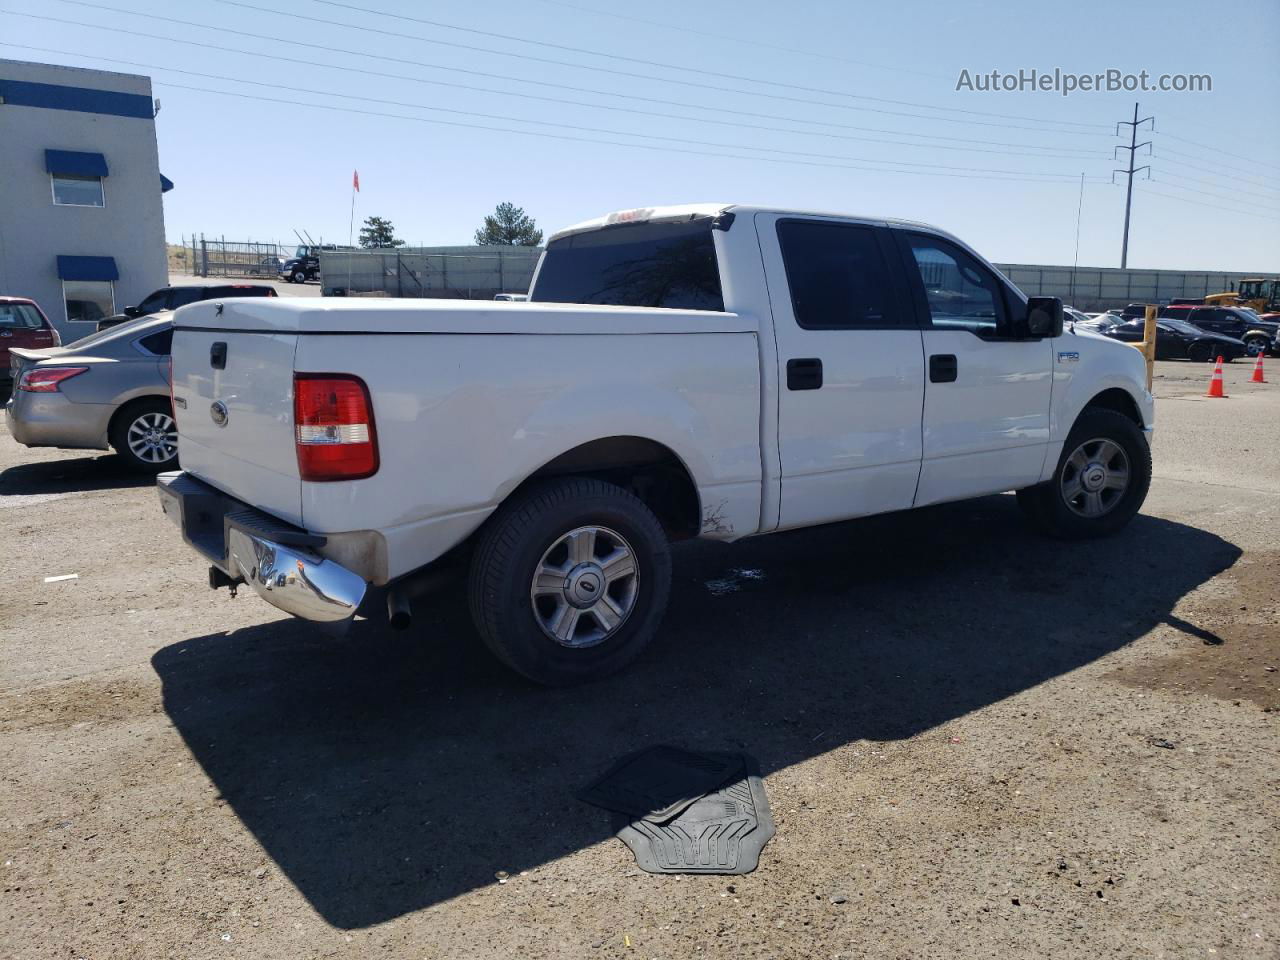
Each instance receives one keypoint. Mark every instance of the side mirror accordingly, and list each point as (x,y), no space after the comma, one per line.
(1044,317)
(131,312)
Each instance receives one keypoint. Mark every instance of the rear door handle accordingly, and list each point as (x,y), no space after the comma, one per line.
(943,368)
(804,374)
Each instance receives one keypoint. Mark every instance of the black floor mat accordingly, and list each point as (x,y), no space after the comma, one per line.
(658,783)
(721,832)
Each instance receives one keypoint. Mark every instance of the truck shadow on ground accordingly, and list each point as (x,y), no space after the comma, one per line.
(387,772)
(101,471)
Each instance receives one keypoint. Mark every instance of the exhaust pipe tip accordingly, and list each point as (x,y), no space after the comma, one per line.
(399,611)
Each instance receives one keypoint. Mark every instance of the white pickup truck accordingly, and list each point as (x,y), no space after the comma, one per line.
(716,371)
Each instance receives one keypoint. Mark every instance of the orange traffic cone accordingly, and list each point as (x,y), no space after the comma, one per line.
(1215,382)
(1257,372)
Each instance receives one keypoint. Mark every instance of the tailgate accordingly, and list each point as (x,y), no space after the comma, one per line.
(233,401)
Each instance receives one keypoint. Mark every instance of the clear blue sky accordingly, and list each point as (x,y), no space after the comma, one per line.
(257,168)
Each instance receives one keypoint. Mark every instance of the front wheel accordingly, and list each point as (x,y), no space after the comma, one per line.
(570,580)
(298,277)
(1101,480)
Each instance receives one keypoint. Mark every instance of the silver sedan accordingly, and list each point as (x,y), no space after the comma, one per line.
(110,389)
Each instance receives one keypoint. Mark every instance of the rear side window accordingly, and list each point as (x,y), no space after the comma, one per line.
(158,343)
(669,265)
(181,296)
(19,316)
(838,276)
(216,293)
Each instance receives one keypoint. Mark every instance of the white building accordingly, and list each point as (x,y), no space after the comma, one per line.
(81,217)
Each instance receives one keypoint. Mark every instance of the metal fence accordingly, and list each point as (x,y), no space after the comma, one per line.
(1101,288)
(465,273)
(220,257)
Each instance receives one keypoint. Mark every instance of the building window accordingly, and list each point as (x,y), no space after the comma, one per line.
(76,191)
(89,300)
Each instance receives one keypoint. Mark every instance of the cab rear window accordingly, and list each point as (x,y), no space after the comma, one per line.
(669,265)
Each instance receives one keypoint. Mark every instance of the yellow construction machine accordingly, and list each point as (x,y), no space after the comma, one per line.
(1262,295)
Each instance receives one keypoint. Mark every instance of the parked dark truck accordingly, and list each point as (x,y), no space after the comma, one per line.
(304,265)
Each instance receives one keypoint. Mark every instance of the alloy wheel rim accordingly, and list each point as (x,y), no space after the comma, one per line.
(585,586)
(153,438)
(1095,477)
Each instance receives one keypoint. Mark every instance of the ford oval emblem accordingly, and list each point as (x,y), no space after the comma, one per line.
(219,413)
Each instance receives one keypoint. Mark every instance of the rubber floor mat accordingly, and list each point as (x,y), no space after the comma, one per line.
(658,783)
(722,832)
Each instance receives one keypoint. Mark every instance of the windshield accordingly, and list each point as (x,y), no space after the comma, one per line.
(634,265)
(1181,326)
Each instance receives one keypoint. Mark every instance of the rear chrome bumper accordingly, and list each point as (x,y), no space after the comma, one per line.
(277,560)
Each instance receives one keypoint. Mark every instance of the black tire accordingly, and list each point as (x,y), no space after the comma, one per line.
(143,414)
(1046,506)
(513,545)
(1199,353)
(297,277)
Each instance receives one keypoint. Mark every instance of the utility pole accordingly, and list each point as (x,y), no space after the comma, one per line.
(1131,170)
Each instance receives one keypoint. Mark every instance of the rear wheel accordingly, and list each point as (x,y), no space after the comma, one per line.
(1101,480)
(1200,353)
(570,580)
(145,436)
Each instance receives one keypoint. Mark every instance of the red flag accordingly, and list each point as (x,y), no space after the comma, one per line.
(355,180)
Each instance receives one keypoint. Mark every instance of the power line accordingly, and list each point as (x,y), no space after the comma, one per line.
(1218,149)
(570,126)
(1069,153)
(1213,183)
(727,36)
(640,60)
(1012,177)
(1213,206)
(1207,193)
(578,66)
(1247,177)
(523,80)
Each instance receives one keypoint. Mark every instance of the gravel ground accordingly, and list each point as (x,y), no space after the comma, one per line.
(975,742)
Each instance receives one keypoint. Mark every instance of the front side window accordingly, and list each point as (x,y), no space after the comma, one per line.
(960,292)
(77,191)
(19,316)
(837,275)
(89,300)
(634,265)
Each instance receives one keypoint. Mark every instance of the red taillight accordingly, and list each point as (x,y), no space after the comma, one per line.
(46,379)
(333,423)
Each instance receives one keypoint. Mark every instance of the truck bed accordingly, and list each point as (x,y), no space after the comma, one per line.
(469,399)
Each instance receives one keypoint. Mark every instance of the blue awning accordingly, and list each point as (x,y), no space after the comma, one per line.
(75,164)
(165,184)
(87,268)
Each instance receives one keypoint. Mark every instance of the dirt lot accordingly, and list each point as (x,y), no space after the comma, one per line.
(976,742)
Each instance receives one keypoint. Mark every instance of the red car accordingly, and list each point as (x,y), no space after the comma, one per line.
(22,324)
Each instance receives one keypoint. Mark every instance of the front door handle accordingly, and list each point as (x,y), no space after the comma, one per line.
(943,368)
(804,374)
